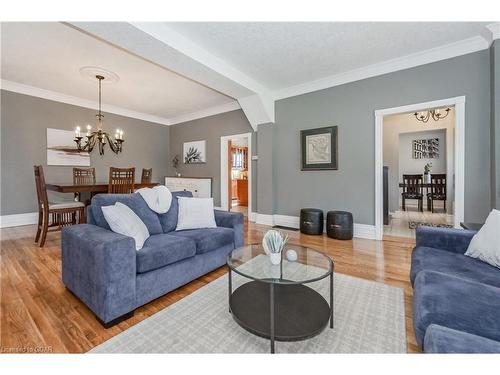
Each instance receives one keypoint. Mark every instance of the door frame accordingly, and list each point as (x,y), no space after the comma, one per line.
(459,155)
(224,175)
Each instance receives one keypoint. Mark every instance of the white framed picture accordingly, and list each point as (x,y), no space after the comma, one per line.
(62,150)
(194,152)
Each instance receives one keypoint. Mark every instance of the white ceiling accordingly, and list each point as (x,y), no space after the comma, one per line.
(260,61)
(49,56)
(280,55)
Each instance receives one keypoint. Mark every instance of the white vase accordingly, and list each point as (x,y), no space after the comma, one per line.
(275,258)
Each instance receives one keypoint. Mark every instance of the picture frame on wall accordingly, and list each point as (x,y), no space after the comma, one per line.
(319,148)
(194,152)
(62,150)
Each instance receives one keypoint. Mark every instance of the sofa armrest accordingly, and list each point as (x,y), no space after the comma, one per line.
(99,267)
(233,220)
(453,240)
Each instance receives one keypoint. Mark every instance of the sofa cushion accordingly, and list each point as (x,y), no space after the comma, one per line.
(168,220)
(439,339)
(207,239)
(456,303)
(427,258)
(163,249)
(134,201)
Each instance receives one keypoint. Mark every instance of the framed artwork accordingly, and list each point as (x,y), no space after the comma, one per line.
(426,148)
(319,149)
(62,150)
(194,152)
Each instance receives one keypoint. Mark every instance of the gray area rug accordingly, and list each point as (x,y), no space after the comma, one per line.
(369,318)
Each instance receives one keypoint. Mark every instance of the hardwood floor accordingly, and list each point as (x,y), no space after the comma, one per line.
(39,315)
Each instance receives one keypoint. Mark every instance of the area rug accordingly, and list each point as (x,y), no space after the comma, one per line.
(415,224)
(369,318)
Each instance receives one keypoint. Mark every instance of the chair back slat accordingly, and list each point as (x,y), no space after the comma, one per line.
(412,183)
(121,180)
(438,185)
(84,176)
(146,175)
(41,190)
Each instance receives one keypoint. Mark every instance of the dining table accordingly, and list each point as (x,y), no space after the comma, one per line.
(96,188)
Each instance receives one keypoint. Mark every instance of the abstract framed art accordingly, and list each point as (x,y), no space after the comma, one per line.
(194,152)
(319,148)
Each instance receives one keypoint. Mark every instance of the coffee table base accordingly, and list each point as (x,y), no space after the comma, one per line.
(298,312)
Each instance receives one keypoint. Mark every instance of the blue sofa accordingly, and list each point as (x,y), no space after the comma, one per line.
(456,299)
(103,269)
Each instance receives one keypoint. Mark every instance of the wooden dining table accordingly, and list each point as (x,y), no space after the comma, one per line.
(69,187)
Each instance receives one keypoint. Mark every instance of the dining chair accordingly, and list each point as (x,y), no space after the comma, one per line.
(438,190)
(53,216)
(146,175)
(121,180)
(83,176)
(412,189)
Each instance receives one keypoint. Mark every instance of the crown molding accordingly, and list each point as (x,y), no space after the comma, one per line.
(491,32)
(228,107)
(448,51)
(80,102)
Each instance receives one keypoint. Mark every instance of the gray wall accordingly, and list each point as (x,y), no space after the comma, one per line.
(24,120)
(351,107)
(210,129)
(265,176)
(495,125)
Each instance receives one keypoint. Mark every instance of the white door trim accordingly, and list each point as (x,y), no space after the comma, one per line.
(459,103)
(223,170)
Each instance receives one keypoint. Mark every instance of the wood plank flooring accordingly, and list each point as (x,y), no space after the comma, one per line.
(38,315)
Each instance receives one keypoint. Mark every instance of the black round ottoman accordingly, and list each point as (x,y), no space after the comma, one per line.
(339,225)
(311,221)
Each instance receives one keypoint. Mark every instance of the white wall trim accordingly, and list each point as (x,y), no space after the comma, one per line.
(223,169)
(448,51)
(252,216)
(228,107)
(459,103)
(359,230)
(265,219)
(80,102)
(17,220)
(491,32)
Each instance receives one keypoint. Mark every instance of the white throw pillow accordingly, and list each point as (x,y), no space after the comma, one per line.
(123,220)
(485,245)
(195,213)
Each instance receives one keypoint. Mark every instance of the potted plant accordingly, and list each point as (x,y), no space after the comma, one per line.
(427,173)
(175,165)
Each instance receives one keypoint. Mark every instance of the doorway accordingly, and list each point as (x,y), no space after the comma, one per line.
(236,173)
(422,145)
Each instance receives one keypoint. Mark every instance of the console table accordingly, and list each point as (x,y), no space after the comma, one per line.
(201,187)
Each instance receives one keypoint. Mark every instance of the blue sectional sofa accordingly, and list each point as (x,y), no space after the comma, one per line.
(456,299)
(103,269)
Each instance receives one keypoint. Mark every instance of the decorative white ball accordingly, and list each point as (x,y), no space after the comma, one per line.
(291,255)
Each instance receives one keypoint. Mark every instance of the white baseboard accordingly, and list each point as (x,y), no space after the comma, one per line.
(265,219)
(17,220)
(252,216)
(359,230)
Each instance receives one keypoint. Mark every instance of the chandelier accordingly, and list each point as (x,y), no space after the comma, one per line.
(435,114)
(99,136)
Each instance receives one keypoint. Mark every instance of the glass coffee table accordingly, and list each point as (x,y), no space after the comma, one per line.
(278,302)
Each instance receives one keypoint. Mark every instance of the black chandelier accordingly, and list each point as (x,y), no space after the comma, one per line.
(99,136)
(435,114)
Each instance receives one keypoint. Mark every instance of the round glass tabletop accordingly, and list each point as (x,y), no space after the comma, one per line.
(299,264)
